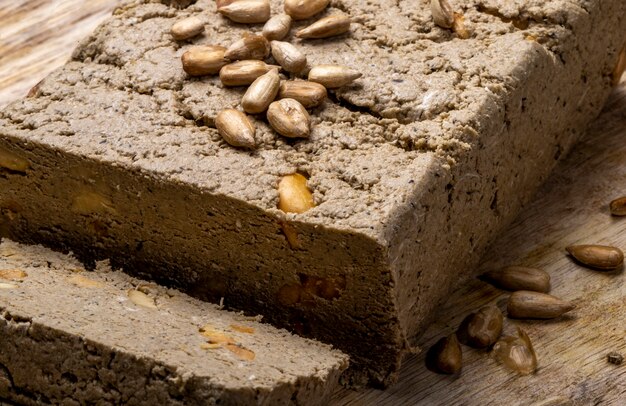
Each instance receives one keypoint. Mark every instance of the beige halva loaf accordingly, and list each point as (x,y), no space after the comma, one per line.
(70,336)
(414,167)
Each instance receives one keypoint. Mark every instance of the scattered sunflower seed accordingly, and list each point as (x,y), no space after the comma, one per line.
(618,206)
(242,73)
(602,257)
(277,27)
(525,304)
(204,60)
(303,9)
(484,327)
(326,27)
(333,76)
(187,28)
(248,47)
(288,56)
(294,195)
(289,118)
(246,11)
(309,94)
(235,127)
(517,353)
(261,93)
(445,356)
(519,278)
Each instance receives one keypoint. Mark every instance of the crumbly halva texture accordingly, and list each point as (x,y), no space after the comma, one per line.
(414,167)
(70,336)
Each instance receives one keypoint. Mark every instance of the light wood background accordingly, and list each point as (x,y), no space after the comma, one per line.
(36,36)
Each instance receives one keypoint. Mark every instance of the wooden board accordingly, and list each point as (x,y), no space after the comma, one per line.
(36,36)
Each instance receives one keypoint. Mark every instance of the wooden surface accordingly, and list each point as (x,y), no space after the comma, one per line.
(36,36)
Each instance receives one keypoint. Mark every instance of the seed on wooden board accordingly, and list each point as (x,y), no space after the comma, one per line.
(242,73)
(445,356)
(602,257)
(294,195)
(204,60)
(459,27)
(247,11)
(277,27)
(261,93)
(525,304)
(235,127)
(326,27)
(333,76)
(303,9)
(289,118)
(618,206)
(519,278)
(248,47)
(288,56)
(187,28)
(442,12)
(517,353)
(309,94)
(484,327)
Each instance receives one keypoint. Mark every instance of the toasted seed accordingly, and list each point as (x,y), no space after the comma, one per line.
(241,352)
(235,127)
(618,206)
(484,327)
(277,27)
(247,11)
(459,27)
(442,13)
(517,353)
(249,47)
(204,60)
(261,93)
(293,194)
(333,76)
(303,9)
(526,304)
(288,56)
(326,27)
(600,257)
(141,299)
(12,274)
(187,28)
(242,73)
(445,356)
(620,67)
(289,118)
(84,282)
(309,94)
(519,278)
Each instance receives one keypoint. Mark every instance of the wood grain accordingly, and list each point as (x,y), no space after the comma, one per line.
(36,36)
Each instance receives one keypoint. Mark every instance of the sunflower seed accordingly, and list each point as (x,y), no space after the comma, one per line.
(519,278)
(525,304)
(277,27)
(187,28)
(618,206)
(249,47)
(235,127)
(309,94)
(141,299)
(204,60)
(246,11)
(517,353)
(326,27)
(261,93)
(484,327)
(445,356)
(600,257)
(303,9)
(288,56)
(459,27)
(242,73)
(289,118)
(293,194)
(333,76)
